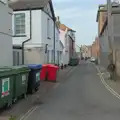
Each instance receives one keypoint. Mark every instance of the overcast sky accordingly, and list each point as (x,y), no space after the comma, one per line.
(80,15)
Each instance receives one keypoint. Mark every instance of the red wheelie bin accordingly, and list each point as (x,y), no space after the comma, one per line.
(43,73)
(52,73)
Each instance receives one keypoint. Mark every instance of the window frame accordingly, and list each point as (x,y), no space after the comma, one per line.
(21,33)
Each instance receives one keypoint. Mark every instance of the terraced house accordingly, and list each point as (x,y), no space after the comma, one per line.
(67,37)
(34,32)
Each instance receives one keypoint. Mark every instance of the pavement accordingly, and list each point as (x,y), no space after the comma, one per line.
(113,84)
(78,95)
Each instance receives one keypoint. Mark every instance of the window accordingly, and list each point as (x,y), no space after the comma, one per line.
(48,28)
(16,58)
(20,24)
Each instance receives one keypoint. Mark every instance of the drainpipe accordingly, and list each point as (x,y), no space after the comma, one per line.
(23,44)
(54,38)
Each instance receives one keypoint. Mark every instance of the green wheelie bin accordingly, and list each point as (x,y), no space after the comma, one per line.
(20,81)
(6,87)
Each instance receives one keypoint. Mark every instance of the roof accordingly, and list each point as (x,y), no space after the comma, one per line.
(103,8)
(115,10)
(27,4)
(64,27)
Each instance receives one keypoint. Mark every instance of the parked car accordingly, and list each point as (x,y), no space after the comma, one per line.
(92,59)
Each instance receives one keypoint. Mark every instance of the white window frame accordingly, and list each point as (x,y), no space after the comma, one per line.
(22,24)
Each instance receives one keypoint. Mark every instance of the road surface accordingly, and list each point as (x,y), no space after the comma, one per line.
(81,96)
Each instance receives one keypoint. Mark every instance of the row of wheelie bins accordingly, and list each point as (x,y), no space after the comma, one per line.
(17,81)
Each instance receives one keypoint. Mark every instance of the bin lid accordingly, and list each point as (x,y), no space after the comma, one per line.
(19,67)
(35,66)
(11,70)
(5,71)
(16,69)
(52,66)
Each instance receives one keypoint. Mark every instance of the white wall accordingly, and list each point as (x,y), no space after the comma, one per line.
(65,42)
(57,45)
(45,39)
(6,53)
(39,35)
(36,29)
(34,56)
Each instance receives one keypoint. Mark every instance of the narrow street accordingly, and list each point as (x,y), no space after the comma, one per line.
(81,97)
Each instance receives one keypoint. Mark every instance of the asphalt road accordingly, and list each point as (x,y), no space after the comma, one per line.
(81,96)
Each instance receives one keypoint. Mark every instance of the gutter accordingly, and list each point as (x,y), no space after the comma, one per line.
(103,28)
(23,44)
(73,41)
(71,38)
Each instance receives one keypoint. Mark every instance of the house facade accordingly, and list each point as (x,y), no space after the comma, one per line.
(101,17)
(35,32)
(95,49)
(67,37)
(78,51)
(58,47)
(110,45)
(6,53)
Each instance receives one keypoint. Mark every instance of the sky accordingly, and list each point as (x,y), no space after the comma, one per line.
(80,15)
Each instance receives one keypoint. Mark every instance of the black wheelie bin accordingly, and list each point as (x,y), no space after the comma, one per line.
(34,77)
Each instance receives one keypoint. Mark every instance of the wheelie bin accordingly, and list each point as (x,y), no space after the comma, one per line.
(6,87)
(52,72)
(20,81)
(43,73)
(34,78)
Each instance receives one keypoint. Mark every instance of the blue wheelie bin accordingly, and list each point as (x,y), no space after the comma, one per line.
(34,77)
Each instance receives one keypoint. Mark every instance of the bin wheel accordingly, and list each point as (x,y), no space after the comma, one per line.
(36,89)
(9,105)
(14,100)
